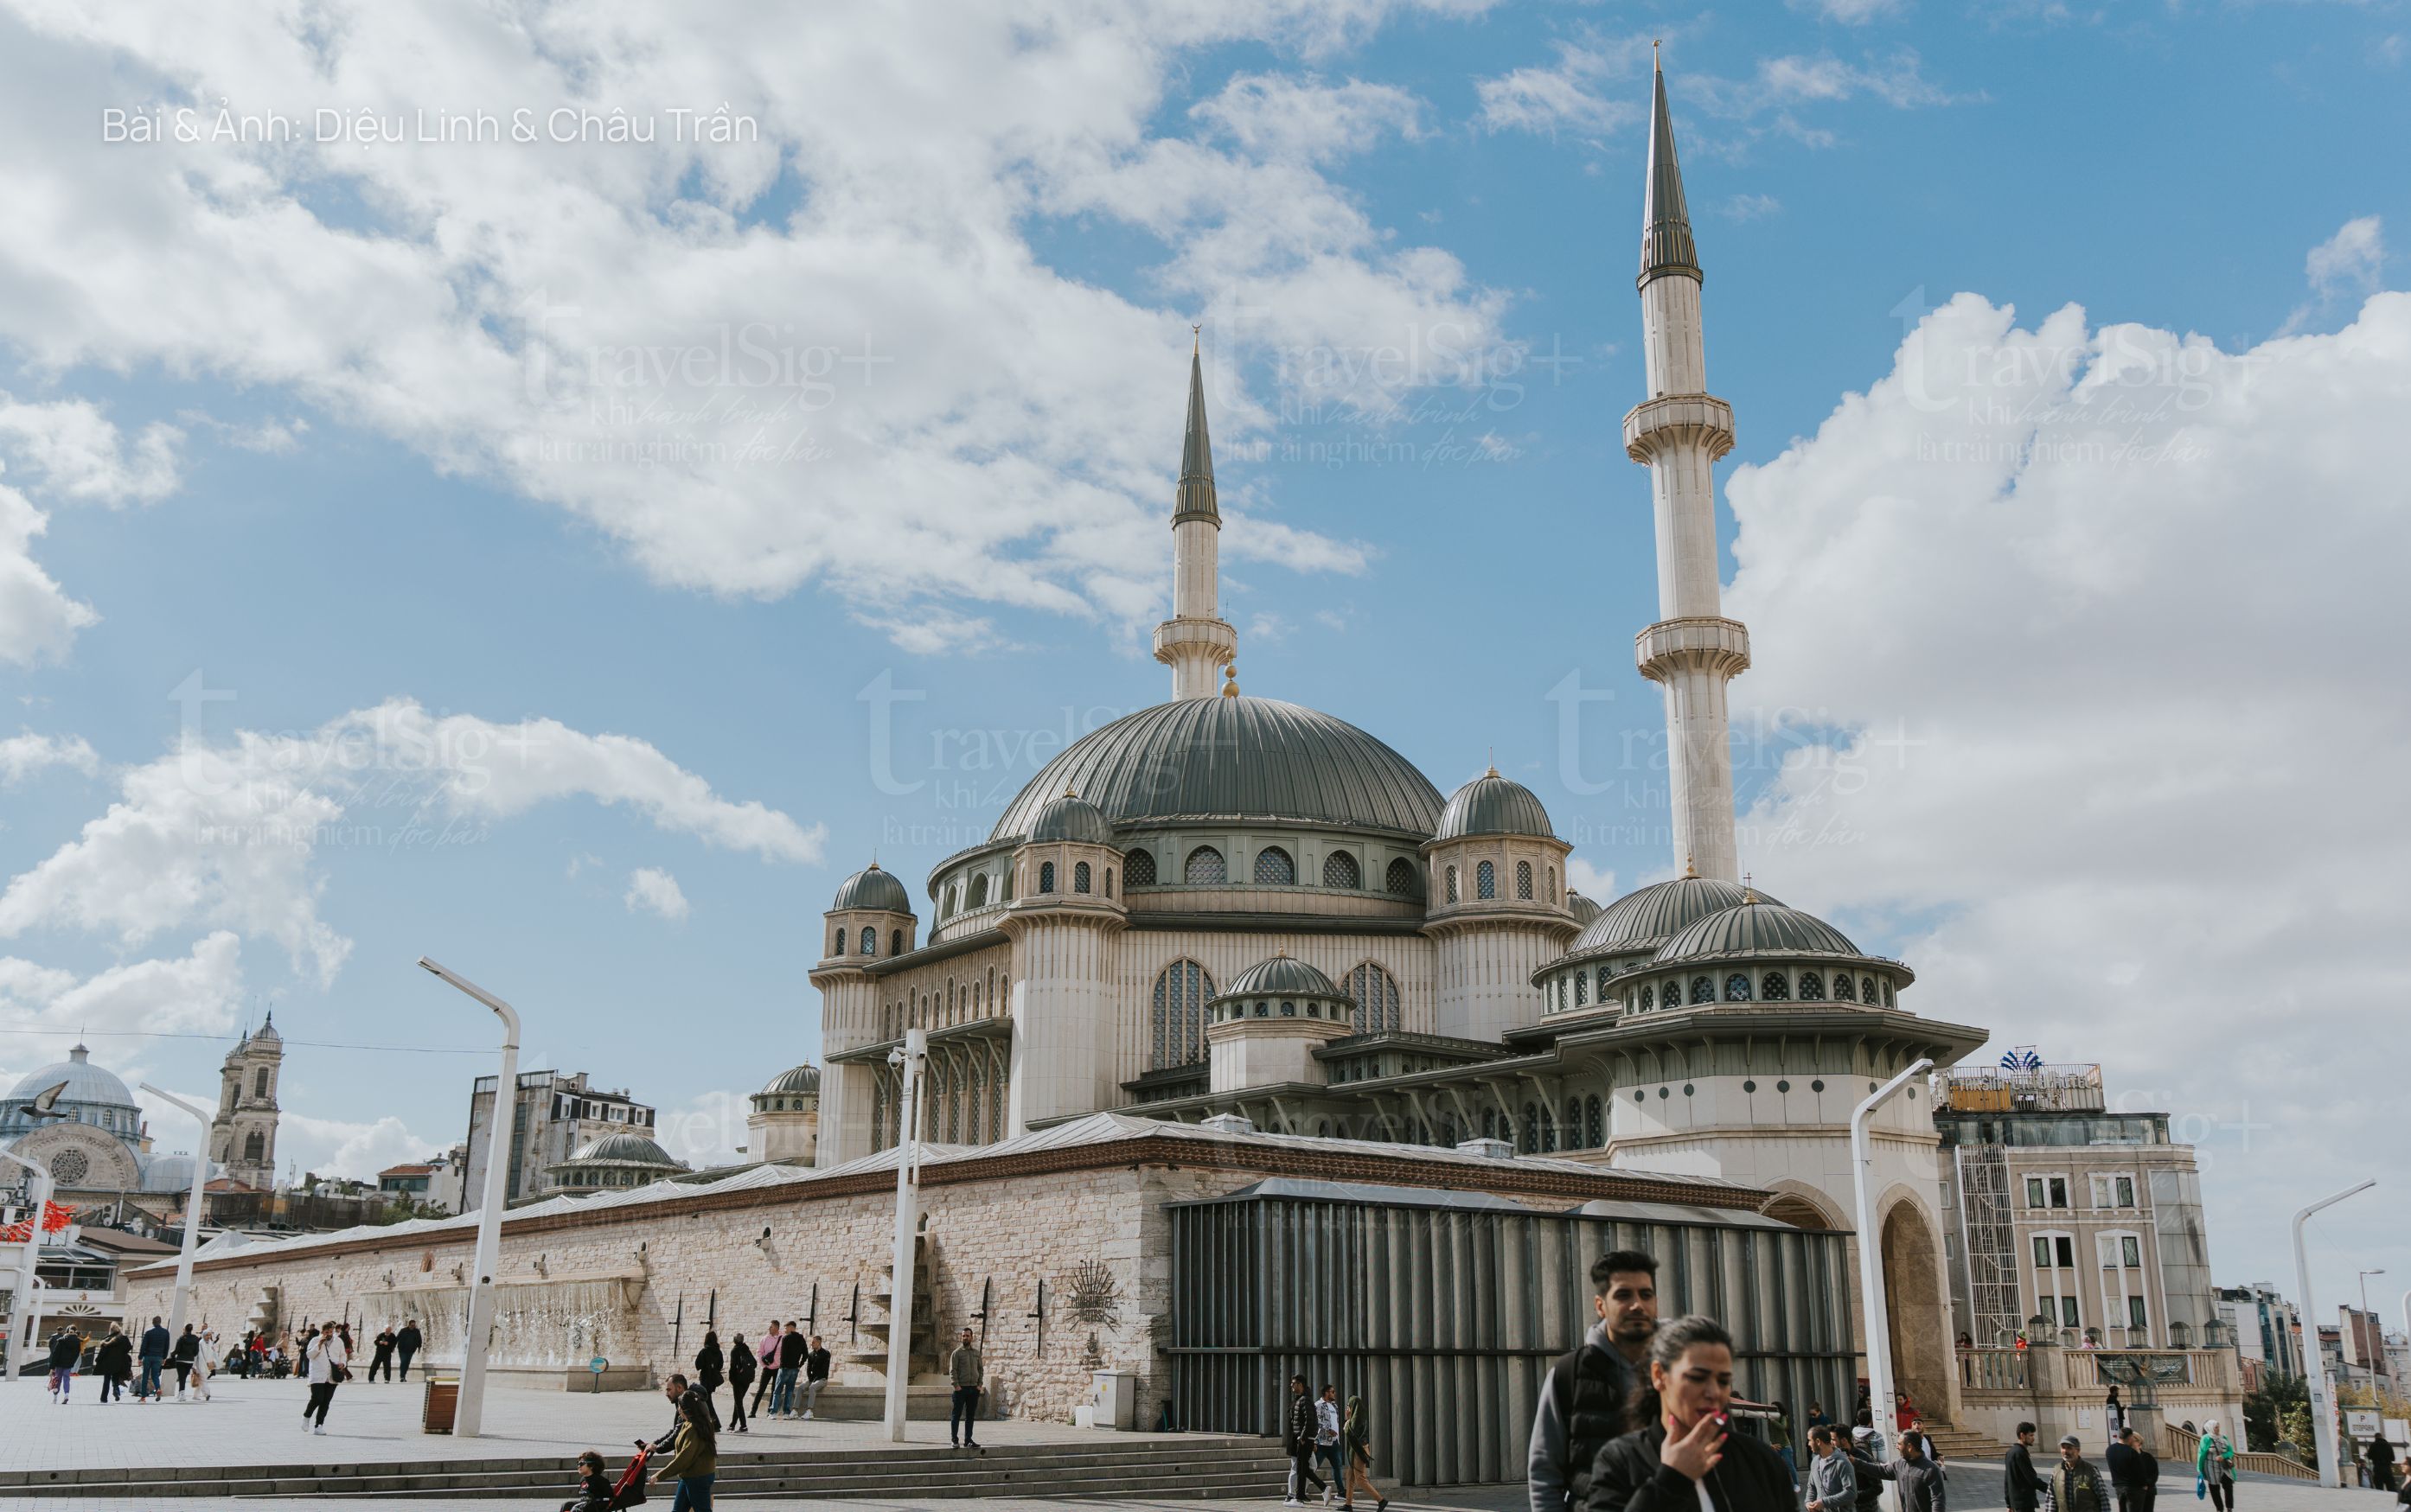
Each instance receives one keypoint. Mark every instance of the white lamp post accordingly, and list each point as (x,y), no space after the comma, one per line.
(2322,1409)
(21,1315)
(469,1415)
(1871,1287)
(175,1308)
(899,1289)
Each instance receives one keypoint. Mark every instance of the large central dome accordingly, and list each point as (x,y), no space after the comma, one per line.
(1234,758)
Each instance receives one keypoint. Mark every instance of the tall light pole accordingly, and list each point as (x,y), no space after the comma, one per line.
(177,1307)
(21,1313)
(1871,1287)
(469,1415)
(907,1061)
(2364,1290)
(2322,1410)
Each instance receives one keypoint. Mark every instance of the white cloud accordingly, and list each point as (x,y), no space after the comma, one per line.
(79,456)
(228,834)
(1563,97)
(656,891)
(706,1130)
(198,993)
(1853,12)
(918,410)
(22,756)
(1749,206)
(38,620)
(2111,621)
(2345,265)
(346,1147)
(1593,882)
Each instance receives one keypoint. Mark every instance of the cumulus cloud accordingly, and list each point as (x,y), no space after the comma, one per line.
(228,834)
(1565,95)
(76,454)
(656,892)
(1596,883)
(38,621)
(347,1147)
(22,756)
(198,993)
(2082,643)
(2346,266)
(707,1130)
(1853,12)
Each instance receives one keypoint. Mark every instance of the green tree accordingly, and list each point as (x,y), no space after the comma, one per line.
(2268,1413)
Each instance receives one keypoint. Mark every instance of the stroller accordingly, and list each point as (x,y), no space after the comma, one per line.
(629,1491)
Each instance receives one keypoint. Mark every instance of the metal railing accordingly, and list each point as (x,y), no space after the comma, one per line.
(2186,1446)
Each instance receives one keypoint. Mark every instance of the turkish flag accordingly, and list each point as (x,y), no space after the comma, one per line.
(54,1218)
(17,1233)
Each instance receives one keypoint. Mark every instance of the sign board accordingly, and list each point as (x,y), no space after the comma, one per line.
(598,1364)
(2361,1420)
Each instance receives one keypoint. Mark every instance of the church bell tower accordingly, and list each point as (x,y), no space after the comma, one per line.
(242,1136)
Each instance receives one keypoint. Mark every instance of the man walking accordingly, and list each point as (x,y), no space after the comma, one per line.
(2381,1463)
(185,1356)
(2075,1484)
(66,1349)
(406,1344)
(2141,1487)
(963,1368)
(155,1343)
(1832,1485)
(1582,1398)
(1297,1442)
(792,1354)
(2021,1487)
(816,1374)
(1919,1476)
(381,1359)
(1326,1440)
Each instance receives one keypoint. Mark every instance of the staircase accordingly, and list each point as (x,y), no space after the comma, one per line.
(1186,1466)
(1963,1443)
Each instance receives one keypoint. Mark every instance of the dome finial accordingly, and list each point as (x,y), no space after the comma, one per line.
(1231,680)
(1748,894)
(1070,792)
(1688,869)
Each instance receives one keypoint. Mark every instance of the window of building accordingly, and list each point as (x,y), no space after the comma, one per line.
(1887,992)
(896,942)
(1205,868)
(1868,991)
(254,1148)
(1081,877)
(1045,876)
(1561,994)
(1523,882)
(259,1084)
(1774,987)
(1737,988)
(1648,998)
(2135,1314)
(1842,992)
(1553,885)
(1452,884)
(1289,1008)
(1274,868)
(2130,1251)
(979,891)
(2113,1191)
(2046,1191)
(869,940)
(1812,987)
(1485,880)
(836,944)
(1339,869)
(1176,1017)
(1595,1118)
(1109,882)
(1582,988)
(1139,867)
(1702,990)
(1379,1007)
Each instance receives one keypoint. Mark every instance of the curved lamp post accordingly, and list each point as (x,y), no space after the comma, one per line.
(20,1312)
(177,1308)
(907,1060)
(467,1417)
(2323,1427)
(1871,1278)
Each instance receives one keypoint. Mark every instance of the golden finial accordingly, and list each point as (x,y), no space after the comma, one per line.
(1231,680)
(1688,869)
(1067,791)
(1748,894)
(1194,338)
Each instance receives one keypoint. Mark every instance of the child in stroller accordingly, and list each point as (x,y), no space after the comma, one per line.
(598,1494)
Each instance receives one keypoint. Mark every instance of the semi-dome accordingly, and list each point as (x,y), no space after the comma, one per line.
(1232,758)
(871,888)
(168,1174)
(1492,804)
(1648,917)
(1756,929)
(798,1079)
(1582,908)
(626,1148)
(1074,819)
(85,1083)
(1281,976)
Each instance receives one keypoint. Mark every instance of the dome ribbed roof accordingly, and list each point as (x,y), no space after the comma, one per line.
(1493,805)
(626,1148)
(1074,819)
(1760,928)
(871,888)
(1232,758)
(800,1079)
(1582,908)
(1648,917)
(1283,975)
(85,1083)
(166,1173)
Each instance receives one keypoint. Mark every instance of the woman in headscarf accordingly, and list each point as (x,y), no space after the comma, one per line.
(1356,1443)
(2213,1462)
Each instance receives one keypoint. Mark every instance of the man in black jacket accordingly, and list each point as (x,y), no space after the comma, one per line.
(1919,1476)
(406,1344)
(816,1374)
(382,1358)
(2021,1487)
(1583,1396)
(2134,1471)
(793,1351)
(1297,1442)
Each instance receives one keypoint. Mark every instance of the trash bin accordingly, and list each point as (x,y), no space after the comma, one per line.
(443,1401)
(1113,1397)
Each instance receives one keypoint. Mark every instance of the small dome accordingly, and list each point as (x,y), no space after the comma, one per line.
(1493,805)
(1281,976)
(626,1148)
(1756,929)
(1074,818)
(802,1079)
(167,1172)
(871,888)
(1582,908)
(1648,917)
(85,1083)
(268,1031)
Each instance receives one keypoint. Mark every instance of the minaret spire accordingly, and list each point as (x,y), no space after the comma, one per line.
(1196,642)
(1679,432)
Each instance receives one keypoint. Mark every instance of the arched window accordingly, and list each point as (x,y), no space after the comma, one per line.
(1597,1121)
(837,946)
(1887,992)
(255,1145)
(1205,868)
(1868,991)
(1561,994)
(1574,1124)
(1378,1009)
(1843,990)
(1452,884)
(1485,880)
(1400,879)
(1606,993)
(979,891)
(869,940)
(1177,1019)
(1523,882)
(896,942)
(1045,876)
(1289,1008)
(1273,867)
(1531,1142)
(1081,877)
(259,1084)
(1738,987)
(1648,998)
(1553,885)
(1812,987)
(946,910)
(1339,869)
(1109,882)
(1139,867)
(1774,987)
(1009,874)
(1582,988)
(1702,990)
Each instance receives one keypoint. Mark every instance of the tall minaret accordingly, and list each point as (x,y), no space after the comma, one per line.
(1195,643)
(1679,432)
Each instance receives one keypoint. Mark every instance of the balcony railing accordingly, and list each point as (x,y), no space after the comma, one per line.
(2090,1372)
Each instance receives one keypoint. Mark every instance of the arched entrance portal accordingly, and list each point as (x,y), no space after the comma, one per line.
(1920,1312)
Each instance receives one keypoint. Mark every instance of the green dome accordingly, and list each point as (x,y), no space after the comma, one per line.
(1074,819)
(1647,918)
(804,1079)
(626,1149)
(1233,759)
(1582,908)
(871,888)
(1493,805)
(1283,976)
(1756,929)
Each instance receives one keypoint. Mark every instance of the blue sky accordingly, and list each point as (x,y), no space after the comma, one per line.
(286,424)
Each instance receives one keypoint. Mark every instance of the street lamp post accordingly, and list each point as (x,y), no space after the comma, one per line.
(907,1061)
(2323,1427)
(2365,1289)
(175,1308)
(21,1313)
(1871,1289)
(469,1415)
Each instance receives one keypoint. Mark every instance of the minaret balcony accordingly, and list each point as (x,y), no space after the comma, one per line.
(1701,642)
(1177,640)
(1662,425)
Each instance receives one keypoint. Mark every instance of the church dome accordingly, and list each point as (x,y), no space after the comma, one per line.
(626,1149)
(1758,927)
(805,1079)
(1648,917)
(1074,819)
(1281,976)
(1493,805)
(871,888)
(85,1083)
(1232,758)
(1582,908)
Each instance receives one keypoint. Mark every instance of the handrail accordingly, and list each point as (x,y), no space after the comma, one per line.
(2186,1446)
